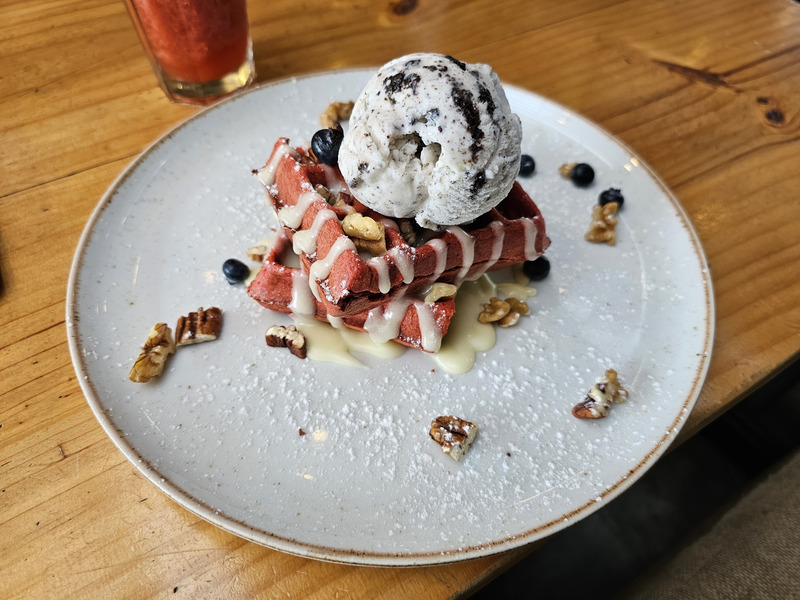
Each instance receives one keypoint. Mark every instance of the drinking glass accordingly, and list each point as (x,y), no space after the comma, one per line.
(200,50)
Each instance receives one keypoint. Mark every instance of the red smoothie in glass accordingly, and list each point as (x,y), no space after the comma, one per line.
(195,40)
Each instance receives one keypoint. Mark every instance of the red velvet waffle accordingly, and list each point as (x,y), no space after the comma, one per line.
(349,284)
(285,289)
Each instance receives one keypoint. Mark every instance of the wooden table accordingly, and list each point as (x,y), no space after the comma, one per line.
(707,92)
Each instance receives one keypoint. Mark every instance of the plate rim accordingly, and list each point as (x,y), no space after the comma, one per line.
(372,557)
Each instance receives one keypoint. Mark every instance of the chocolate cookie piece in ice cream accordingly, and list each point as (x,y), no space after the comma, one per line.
(432,138)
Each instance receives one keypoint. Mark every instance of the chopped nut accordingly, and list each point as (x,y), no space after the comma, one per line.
(150,362)
(494,310)
(565,170)
(307,158)
(374,247)
(504,313)
(290,337)
(366,228)
(367,233)
(603,394)
(440,290)
(200,326)
(603,224)
(409,232)
(517,308)
(325,193)
(454,435)
(257,253)
(329,197)
(336,112)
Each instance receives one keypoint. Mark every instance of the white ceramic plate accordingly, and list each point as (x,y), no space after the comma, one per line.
(219,432)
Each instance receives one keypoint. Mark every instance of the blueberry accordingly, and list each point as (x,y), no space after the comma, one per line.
(526,165)
(611,195)
(325,145)
(582,174)
(235,271)
(536,270)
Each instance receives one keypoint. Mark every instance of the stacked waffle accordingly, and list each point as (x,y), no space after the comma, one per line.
(348,280)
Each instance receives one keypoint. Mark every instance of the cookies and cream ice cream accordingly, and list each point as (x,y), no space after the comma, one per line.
(432,138)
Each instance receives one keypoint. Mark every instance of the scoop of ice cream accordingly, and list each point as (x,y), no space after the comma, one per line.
(432,138)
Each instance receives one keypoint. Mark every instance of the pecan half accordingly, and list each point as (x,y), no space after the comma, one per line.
(603,394)
(200,326)
(454,435)
(290,337)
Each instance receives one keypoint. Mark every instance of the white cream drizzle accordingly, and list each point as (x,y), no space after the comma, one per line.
(498,231)
(455,354)
(266,174)
(440,248)
(382,269)
(326,344)
(530,239)
(430,332)
(305,240)
(467,249)
(466,336)
(383,322)
(515,290)
(292,216)
(302,303)
(336,322)
(404,263)
(321,268)
(334,345)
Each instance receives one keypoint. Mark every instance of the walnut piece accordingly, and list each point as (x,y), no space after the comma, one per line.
(409,232)
(373,247)
(150,362)
(454,435)
(440,290)
(200,326)
(290,337)
(603,394)
(494,310)
(602,228)
(367,233)
(329,197)
(335,113)
(518,308)
(357,225)
(504,313)
(565,170)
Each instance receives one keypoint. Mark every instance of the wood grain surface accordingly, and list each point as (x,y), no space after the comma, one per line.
(707,92)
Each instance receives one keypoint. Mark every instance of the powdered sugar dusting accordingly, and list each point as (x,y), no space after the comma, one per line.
(222,425)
